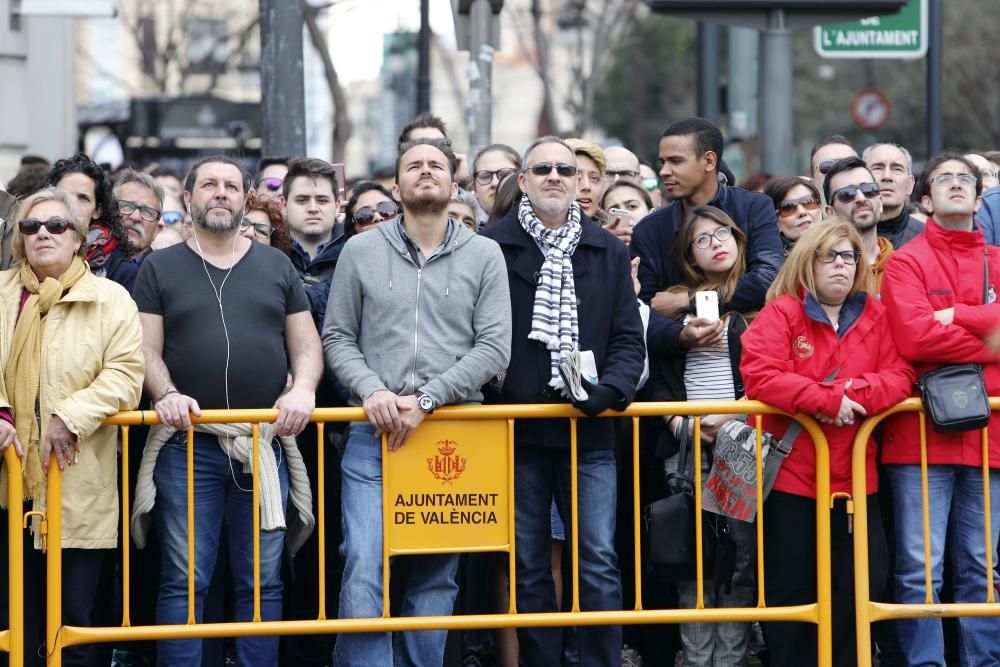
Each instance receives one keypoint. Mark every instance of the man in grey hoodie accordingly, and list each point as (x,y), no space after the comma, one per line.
(418,317)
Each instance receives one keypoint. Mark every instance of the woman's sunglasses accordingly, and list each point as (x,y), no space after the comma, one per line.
(30,226)
(365,215)
(789,206)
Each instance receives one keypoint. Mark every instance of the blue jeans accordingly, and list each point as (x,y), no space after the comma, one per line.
(431,588)
(955,496)
(538,475)
(222,493)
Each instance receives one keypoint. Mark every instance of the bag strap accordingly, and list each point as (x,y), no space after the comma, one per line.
(986,275)
(784,446)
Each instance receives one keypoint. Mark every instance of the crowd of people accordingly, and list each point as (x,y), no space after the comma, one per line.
(449,281)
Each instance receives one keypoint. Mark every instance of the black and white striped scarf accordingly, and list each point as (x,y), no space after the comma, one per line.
(554,316)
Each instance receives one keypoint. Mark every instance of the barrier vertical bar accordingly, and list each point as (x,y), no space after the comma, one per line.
(15,545)
(699,561)
(512,523)
(385,528)
(575,510)
(255,457)
(925,499)
(636,508)
(190,524)
(321,515)
(53,573)
(862,594)
(759,464)
(126,563)
(987,527)
(824,597)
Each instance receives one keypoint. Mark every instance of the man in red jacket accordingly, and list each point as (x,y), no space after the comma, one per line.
(934,291)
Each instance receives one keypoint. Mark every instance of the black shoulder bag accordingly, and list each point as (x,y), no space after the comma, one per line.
(955,395)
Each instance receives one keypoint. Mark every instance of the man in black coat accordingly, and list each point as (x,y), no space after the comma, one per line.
(571,290)
(690,153)
(892,167)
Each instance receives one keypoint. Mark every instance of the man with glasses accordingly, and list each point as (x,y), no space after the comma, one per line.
(310,190)
(555,254)
(940,298)
(852,193)
(140,201)
(892,167)
(270,179)
(825,154)
(622,163)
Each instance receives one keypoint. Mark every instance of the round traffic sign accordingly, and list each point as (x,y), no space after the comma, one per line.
(870,109)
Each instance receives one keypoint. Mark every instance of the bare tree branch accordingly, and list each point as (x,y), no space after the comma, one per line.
(342,127)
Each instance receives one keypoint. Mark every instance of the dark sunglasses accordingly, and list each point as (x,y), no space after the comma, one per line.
(171,217)
(259,228)
(847,194)
(366,214)
(273,184)
(485,176)
(30,226)
(825,166)
(830,256)
(789,206)
(545,168)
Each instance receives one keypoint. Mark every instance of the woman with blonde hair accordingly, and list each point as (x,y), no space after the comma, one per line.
(821,346)
(70,349)
(710,250)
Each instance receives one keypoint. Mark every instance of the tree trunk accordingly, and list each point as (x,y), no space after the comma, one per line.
(342,127)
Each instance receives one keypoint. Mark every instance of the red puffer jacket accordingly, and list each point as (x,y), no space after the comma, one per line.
(941,269)
(790,348)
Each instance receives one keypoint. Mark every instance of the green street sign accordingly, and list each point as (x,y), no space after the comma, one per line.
(902,35)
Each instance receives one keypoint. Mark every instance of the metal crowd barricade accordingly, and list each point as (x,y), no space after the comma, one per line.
(868,611)
(12,639)
(59,636)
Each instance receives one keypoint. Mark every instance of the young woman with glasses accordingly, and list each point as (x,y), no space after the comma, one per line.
(370,204)
(491,166)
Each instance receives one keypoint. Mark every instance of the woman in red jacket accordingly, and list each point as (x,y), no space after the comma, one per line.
(821,346)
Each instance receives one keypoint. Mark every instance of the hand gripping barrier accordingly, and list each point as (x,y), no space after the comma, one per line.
(869,611)
(445,467)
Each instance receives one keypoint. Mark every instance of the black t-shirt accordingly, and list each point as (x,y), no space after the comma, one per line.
(261,290)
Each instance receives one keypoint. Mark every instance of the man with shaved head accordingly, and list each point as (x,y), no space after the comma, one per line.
(622,163)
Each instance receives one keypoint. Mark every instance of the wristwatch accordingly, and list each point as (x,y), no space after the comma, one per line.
(425,403)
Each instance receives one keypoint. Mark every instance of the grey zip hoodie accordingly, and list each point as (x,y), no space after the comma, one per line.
(443,329)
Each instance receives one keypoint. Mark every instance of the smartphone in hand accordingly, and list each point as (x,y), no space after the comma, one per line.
(707,305)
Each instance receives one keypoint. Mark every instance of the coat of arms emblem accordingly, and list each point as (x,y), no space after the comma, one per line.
(446,465)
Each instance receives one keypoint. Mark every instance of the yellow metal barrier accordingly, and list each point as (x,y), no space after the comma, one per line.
(869,611)
(819,613)
(12,639)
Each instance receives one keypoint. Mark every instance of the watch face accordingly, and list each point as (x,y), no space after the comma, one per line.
(425,403)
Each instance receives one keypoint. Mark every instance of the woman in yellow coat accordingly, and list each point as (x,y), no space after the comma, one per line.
(71,354)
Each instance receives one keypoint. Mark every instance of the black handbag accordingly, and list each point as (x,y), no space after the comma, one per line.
(668,526)
(955,395)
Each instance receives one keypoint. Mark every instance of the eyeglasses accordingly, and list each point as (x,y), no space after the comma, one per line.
(948,178)
(147,213)
(485,176)
(830,256)
(272,184)
(171,217)
(650,183)
(545,168)
(30,226)
(846,195)
(261,229)
(365,215)
(613,174)
(790,206)
(722,234)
